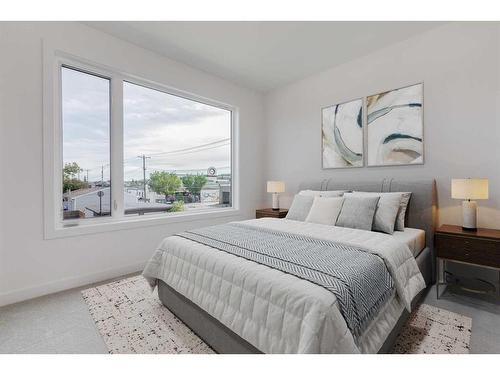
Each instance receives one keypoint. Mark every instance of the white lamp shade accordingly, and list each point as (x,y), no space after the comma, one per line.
(469,188)
(275,186)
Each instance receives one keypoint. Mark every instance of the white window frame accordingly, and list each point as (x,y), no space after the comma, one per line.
(54,226)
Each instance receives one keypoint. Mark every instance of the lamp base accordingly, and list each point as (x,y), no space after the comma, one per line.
(469,212)
(469,229)
(276,205)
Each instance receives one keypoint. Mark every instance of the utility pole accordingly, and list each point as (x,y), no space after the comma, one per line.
(144,157)
(87,170)
(102,175)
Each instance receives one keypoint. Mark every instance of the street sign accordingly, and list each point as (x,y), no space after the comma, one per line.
(211,171)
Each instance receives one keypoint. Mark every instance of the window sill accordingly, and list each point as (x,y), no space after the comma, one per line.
(102,225)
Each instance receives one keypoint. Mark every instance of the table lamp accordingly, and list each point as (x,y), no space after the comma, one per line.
(469,189)
(275,187)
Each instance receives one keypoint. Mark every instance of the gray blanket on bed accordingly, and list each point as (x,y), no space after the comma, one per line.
(359,279)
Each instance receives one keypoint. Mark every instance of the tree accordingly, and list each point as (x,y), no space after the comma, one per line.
(164,183)
(70,181)
(194,183)
(70,170)
(73,184)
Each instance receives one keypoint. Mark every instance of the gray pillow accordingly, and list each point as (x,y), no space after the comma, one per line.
(357,212)
(403,207)
(300,208)
(387,209)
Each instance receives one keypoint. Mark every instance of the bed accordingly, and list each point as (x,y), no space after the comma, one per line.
(242,306)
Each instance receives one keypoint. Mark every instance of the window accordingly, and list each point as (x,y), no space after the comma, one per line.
(177,153)
(86,144)
(121,150)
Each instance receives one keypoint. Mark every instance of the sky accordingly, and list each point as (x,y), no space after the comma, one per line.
(85,115)
(176,133)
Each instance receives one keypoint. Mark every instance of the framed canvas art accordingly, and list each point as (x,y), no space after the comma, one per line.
(395,127)
(342,135)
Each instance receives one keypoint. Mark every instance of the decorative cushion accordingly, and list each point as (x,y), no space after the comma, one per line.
(357,212)
(387,210)
(403,208)
(323,193)
(325,210)
(300,208)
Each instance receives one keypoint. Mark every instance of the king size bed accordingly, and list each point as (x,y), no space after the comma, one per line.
(291,286)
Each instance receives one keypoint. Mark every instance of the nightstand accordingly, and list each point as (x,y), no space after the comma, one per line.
(479,248)
(269,212)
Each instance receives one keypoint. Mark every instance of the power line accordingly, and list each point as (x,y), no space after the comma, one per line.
(183,151)
(190,170)
(198,148)
(192,148)
(129,160)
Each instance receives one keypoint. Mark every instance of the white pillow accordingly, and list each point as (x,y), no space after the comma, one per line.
(387,209)
(325,210)
(322,193)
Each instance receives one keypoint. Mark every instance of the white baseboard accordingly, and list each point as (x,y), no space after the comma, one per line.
(24,294)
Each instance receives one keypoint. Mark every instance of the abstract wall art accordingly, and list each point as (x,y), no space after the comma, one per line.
(395,127)
(342,135)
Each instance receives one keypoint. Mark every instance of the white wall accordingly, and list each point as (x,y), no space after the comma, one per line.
(31,266)
(459,65)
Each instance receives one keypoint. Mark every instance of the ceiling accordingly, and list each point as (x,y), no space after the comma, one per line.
(263,55)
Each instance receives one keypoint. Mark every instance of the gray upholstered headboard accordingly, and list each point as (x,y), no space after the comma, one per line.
(423,203)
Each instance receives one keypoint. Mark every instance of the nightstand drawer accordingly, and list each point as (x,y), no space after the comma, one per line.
(476,250)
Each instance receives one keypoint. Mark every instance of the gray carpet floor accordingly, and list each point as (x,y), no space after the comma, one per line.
(61,323)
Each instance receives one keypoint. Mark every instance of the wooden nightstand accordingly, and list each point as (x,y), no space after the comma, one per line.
(269,212)
(479,248)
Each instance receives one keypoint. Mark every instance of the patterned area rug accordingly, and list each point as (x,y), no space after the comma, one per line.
(434,331)
(131,319)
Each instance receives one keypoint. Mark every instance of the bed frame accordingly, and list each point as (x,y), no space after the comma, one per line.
(421,214)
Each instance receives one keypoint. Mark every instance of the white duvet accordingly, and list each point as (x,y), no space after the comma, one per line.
(277,312)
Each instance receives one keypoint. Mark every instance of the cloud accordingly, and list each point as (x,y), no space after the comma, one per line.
(158,109)
(154,123)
